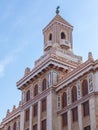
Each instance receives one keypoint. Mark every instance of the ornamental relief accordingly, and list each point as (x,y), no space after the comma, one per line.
(90,83)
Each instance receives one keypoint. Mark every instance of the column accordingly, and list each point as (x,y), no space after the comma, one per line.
(17,125)
(69,120)
(30,123)
(92,114)
(22,120)
(39,114)
(11,125)
(80,117)
(49,112)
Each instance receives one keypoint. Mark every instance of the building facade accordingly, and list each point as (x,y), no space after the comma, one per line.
(60,92)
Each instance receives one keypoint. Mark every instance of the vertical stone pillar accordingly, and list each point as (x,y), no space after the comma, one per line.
(17,125)
(92,114)
(60,122)
(80,117)
(11,125)
(39,115)
(49,112)
(22,120)
(30,121)
(69,120)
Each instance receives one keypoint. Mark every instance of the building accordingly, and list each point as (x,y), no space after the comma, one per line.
(60,92)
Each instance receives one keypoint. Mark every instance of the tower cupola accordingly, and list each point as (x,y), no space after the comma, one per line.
(58,34)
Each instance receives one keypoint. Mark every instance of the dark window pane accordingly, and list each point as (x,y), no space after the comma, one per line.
(64,100)
(75,114)
(44,105)
(84,87)
(64,119)
(86,108)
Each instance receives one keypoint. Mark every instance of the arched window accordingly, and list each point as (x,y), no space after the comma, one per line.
(63,36)
(28,95)
(74,94)
(84,87)
(36,90)
(14,127)
(64,100)
(44,83)
(50,36)
(9,128)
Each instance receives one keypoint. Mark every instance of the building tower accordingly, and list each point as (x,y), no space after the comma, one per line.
(60,92)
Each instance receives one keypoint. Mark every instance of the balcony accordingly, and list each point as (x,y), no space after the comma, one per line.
(65,43)
(48,45)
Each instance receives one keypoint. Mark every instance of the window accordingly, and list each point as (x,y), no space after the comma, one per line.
(14,127)
(74,94)
(36,90)
(63,36)
(84,87)
(44,85)
(75,114)
(28,95)
(44,105)
(64,119)
(9,128)
(50,37)
(43,125)
(86,108)
(87,128)
(35,110)
(35,127)
(27,115)
(64,100)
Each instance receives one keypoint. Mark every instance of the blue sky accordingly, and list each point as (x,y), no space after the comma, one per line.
(21,37)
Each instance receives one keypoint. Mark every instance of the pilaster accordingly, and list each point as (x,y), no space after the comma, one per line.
(69,120)
(80,117)
(92,113)
(22,120)
(30,127)
(49,111)
(39,115)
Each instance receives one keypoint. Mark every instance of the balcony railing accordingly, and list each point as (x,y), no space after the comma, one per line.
(48,44)
(65,43)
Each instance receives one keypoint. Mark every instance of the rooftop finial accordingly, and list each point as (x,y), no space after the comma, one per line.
(57,10)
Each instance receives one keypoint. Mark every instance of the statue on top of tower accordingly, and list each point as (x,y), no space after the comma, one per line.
(57,10)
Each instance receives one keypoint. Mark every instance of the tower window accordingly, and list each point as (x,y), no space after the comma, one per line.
(35,110)
(27,115)
(64,100)
(36,90)
(64,119)
(74,94)
(14,127)
(84,87)
(28,95)
(43,125)
(44,84)
(44,105)
(50,37)
(9,128)
(86,108)
(75,114)
(63,36)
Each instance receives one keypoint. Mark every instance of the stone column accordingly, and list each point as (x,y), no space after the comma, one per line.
(39,114)
(80,117)
(69,120)
(22,120)
(49,112)
(11,125)
(17,125)
(92,113)
(30,121)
